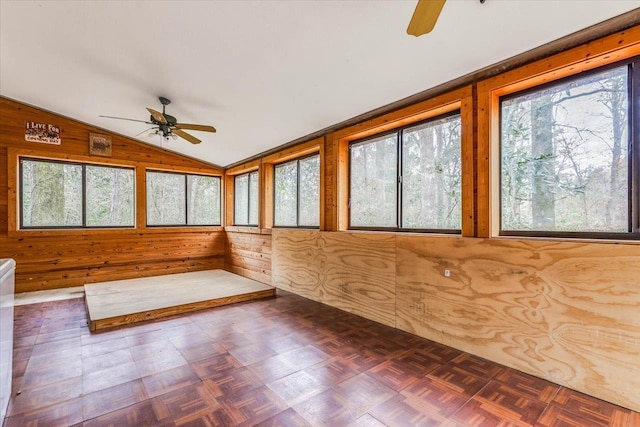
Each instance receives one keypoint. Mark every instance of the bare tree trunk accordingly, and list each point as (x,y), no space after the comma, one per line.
(616,106)
(115,198)
(543,197)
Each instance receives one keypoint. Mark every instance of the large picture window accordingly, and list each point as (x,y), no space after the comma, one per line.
(567,165)
(245,199)
(409,179)
(297,193)
(177,199)
(72,195)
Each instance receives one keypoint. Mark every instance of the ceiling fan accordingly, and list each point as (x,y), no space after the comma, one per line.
(425,16)
(167,126)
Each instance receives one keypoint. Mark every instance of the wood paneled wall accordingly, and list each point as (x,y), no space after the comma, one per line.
(62,258)
(249,253)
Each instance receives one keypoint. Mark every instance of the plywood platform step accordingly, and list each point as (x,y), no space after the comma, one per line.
(122,302)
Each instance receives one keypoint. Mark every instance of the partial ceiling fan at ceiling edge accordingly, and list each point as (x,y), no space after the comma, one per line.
(167,126)
(425,17)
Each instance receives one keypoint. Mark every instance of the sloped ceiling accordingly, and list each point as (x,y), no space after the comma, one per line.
(262,72)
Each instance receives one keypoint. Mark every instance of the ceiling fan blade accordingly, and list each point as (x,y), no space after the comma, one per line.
(131,120)
(203,128)
(182,134)
(145,132)
(424,17)
(158,116)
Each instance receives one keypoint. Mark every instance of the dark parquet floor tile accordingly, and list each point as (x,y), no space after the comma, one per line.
(139,414)
(404,411)
(440,398)
(328,408)
(363,392)
(286,418)
(113,398)
(458,379)
(253,406)
(297,387)
(286,361)
(61,414)
(232,380)
(528,385)
(596,411)
(166,381)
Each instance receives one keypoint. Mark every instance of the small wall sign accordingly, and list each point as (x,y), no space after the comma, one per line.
(44,133)
(100,145)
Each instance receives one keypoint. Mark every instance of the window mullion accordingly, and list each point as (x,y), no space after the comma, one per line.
(186,200)
(399,179)
(297,193)
(84,196)
(634,149)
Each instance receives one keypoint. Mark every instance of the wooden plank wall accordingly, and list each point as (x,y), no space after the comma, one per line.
(62,258)
(249,253)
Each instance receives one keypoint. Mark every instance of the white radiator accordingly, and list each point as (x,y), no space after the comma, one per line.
(7,283)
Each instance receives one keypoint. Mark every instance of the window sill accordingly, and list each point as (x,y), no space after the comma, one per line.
(102,231)
(569,240)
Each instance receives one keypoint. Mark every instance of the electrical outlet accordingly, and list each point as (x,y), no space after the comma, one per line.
(447,273)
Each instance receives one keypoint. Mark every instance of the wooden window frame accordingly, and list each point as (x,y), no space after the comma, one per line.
(13,161)
(314,146)
(618,47)
(186,200)
(83,166)
(297,162)
(457,100)
(633,163)
(235,179)
(398,132)
(229,195)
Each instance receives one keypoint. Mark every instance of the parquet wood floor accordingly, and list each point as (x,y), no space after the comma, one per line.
(286,361)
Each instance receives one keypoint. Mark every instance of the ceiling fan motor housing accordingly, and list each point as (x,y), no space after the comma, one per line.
(171,121)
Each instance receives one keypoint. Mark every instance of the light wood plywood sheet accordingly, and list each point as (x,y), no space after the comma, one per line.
(351,271)
(127,301)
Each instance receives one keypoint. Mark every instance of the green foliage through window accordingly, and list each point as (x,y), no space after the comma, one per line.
(297,193)
(70,195)
(565,156)
(245,199)
(409,179)
(176,199)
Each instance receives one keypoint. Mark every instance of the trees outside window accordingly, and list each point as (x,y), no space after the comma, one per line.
(70,195)
(409,179)
(245,199)
(177,199)
(297,193)
(566,159)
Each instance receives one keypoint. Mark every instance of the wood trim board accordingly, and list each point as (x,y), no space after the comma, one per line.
(123,302)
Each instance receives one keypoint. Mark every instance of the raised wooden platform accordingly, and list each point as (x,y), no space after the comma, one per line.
(122,302)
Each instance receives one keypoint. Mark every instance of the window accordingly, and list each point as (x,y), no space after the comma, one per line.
(297,193)
(71,195)
(567,165)
(409,179)
(176,199)
(245,210)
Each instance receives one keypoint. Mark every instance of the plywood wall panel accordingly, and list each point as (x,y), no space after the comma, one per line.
(351,271)
(567,312)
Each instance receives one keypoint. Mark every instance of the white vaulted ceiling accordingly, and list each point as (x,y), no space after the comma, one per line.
(262,72)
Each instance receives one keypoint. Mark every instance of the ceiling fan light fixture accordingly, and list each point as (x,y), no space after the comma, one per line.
(167,126)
